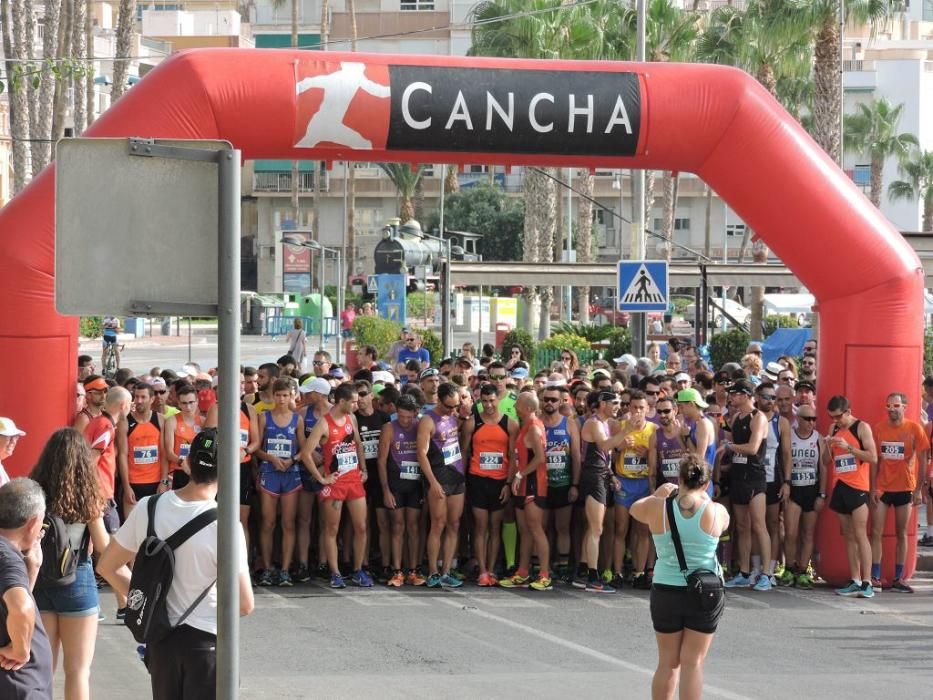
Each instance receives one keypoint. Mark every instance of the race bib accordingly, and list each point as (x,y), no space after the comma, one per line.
(146,454)
(557,460)
(491,461)
(183,449)
(633,464)
(803,477)
(739,459)
(371,448)
(279,447)
(347,462)
(892,450)
(451,453)
(845,464)
(244,438)
(670,468)
(409,471)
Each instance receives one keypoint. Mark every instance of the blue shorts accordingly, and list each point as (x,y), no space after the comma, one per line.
(630,490)
(280,483)
(77,600)
(309,483)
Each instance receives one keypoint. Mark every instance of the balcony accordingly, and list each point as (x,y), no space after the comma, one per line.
(281,182)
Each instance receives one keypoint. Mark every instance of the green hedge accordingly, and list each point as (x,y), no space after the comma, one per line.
(728,347)
(432,343)
(521,338)
(91,326)
(375,331)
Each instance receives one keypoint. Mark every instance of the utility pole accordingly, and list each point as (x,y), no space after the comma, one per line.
(637,246)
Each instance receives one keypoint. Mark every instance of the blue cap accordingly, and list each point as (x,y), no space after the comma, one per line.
(519,373)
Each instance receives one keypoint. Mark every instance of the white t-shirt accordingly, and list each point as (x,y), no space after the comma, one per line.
(195,560)
(4,477)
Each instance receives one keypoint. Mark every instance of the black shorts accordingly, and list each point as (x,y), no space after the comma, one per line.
(846,500)
(484,493)
(773,493)
(596,484)
(519,502)
(247,485)
(897,498)
(743,487)
(558,497)
(675,608)
(804,496)
(143,490)
(452,481)
(374,497)
(408,494)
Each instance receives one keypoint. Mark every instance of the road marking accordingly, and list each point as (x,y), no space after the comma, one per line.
(273,601)
(581,649)
(746,600)
(507,601)
(390,601)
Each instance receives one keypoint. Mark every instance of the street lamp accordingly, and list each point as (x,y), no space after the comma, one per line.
(445,300)
(314,245)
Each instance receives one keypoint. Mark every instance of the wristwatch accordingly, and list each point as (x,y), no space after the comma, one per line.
(518,476)
(821,495)
(165,482)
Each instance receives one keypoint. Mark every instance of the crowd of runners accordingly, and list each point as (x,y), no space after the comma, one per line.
(474,470)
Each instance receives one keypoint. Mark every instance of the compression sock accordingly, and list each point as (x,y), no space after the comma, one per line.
(876,570)
(898,571)
(772,565)
(509,540)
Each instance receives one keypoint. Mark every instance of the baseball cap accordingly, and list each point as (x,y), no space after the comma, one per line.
(203,450)
(691,396)
(203,377)
(627,359)
(8,428)
(336,373)
(95,384)
(383,377)
(742,386)
(681,377)
(427,373)
(519,373)
(600,373)
(157,383)
(805,384)
(318,385)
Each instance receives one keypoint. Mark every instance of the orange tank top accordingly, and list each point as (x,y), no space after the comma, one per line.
(489,449)
(142,450)
(184,434)
(847,467)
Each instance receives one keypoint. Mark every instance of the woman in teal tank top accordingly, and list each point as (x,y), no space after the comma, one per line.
(684,631)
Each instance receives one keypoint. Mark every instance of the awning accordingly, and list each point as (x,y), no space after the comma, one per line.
(281,166)
(789,303)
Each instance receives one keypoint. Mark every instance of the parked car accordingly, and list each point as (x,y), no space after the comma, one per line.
(734,309)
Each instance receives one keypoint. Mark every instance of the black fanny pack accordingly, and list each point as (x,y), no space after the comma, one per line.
(706,585)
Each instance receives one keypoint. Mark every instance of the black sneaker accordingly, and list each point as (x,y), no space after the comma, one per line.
(322,572)
(302,573)
(266,578)
(121,613)
(641,582)
(101,581)
(900,587)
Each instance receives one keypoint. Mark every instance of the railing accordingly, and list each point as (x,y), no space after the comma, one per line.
(853,65)
(282,182)
(281,325)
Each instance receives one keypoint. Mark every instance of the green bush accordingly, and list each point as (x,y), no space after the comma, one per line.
(774,321)
(620,342)
(375,331)
(591,332)
(560,341)
(90,327)
(432,343)
(521,338)
(420,305)
(728,347)
(928,353)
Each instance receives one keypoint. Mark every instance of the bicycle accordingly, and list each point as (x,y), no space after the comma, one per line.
(110,362)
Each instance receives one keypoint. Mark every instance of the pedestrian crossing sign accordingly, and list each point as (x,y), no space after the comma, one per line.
(642,285)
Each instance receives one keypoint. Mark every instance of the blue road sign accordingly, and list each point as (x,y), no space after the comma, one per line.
(390,298)
(642,285)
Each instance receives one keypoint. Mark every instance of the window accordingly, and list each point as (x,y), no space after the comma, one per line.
(861,175)
(417,5)
(369,221)
(928,10)
(679,225)
(735,229)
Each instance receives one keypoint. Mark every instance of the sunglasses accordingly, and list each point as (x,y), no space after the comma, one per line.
(665,411)
(550,399)
(317,362)
(836,416)
(161,391)
(456,405)
(624,403)
(497,377)
(652,393)
(767,397)
(809,418)
(361,394)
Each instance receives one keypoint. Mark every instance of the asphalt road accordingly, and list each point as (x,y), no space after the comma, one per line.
(311,642)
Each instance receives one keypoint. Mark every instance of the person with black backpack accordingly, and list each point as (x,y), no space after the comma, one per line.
(172,598)
(66,591)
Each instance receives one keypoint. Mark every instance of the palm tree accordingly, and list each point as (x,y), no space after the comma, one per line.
(350,175)
(78,52)
(873,130)
(405,178)
(20,106)
(917,168)
(126,19)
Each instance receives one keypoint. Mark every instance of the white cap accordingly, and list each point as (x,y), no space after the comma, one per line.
(318,385)
(383,377)
(681,377)
(8,428)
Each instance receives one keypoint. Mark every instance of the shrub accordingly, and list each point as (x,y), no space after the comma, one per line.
(928,353)
(90,327)
(620,342)
(774,321)
(432,343)
(728,347)
(375,331)
(591,332)
(421,305)
(560,341)
(521,338)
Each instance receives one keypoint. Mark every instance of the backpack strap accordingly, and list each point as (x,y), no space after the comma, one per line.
(196,603)
(190,528)
(675,535)
(150,510)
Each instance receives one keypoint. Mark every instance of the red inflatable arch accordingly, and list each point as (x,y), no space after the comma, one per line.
(713,121)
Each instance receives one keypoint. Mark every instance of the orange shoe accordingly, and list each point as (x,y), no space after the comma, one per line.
(398,578)
(414,578)
(487,579)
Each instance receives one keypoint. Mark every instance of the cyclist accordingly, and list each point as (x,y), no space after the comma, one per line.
(111,325)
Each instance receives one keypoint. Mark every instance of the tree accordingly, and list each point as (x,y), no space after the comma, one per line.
(126,20)
(405,177)
(350,182)
(486,210)
(917,169)
(79,52)
(20,46)
(873,130)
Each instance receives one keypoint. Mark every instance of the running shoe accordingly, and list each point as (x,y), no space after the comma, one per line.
(434,581)
(641,582)
(100,580)
(542,583)
(850,591)
(448,580)
(486,579)
(100,616)
(866,590)
(397,580)
(336,581)
(926,541)
(804,581)
(265,578)
(322,572)
(121,613)
(599,587)
(141,652)
(763,583)
(606,576)
(457,574)
(515,581)
(362,579)
(617,581)
(285,579)
(303,573)
(900,587)
(579,581)
(876,584)
(384,576)
(414,578)
(740,580)
(786,578)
